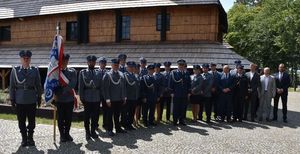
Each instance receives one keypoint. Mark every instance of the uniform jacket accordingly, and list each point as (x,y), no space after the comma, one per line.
(180,83)
(89,85)
(114,86)
(25,86)
(65,94)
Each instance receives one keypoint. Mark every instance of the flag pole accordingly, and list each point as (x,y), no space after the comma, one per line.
(54,107)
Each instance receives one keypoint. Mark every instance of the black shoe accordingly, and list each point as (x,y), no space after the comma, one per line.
(94,135)
(182,123)
(63,139)
(24,140)
(87,136)
(268,120)
(152,124)
(130,128)
(252,120)
(193,121)
(285,121)
(175,123)
(69,137)
(110,133)
(145,124)
(120,130)
(30,141)
(208,121)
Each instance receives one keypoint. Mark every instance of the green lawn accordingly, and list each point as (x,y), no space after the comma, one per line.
(77,124)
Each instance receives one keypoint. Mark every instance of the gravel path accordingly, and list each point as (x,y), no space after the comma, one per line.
(247,137)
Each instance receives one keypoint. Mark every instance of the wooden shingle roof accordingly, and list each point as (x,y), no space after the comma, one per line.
(193,53)
(26,8)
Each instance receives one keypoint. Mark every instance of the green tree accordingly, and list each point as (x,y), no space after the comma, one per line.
(267,34)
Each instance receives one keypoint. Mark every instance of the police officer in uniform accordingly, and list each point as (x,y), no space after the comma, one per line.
(149,96)
(180,83)
(234,71)
(215,93)
(132,93)
(196,92)
(159,81)
(122,59)
(114,92)
(143,69)
(65,99)
(166,99)
(207,87)
(25,94)
(89,89)
(240,93)
(102,70)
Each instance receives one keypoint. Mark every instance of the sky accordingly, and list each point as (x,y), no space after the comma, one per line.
(227,4)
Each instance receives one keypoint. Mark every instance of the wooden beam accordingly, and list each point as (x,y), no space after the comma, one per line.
(3,75)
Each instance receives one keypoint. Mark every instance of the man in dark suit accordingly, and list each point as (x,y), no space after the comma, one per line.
(282,84)
(240,93)
(253,86)
(226,87)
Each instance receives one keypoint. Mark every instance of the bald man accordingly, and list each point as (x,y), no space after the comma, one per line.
(266,92)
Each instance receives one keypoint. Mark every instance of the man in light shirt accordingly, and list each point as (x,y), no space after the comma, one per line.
(266,92)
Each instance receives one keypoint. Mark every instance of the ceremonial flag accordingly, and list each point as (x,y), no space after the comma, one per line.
(54,76)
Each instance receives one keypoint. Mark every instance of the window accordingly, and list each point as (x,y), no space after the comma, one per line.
(158,22)
(72,31)
(125,28)
(5,33)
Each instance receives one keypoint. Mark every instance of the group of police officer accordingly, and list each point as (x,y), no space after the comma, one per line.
(129,90)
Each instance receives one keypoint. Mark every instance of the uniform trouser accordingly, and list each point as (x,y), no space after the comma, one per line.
(167,101)
(252,101)
(64,112)
(179,109)
(148,110)
(238,106)
(26,111)
(214,103)
(284,105)
(113,114)
(264,105)
(91,115)
(207,105)
(225,106)
(104,113)
(128,115)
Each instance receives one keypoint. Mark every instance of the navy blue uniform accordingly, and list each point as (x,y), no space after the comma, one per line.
(150,93)
(166,99)
(215,94)
(180,85)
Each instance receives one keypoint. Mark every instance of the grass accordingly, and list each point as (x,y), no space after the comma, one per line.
(292,90)
(77,124)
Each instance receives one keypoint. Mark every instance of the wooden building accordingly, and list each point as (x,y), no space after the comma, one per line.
(158,30)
